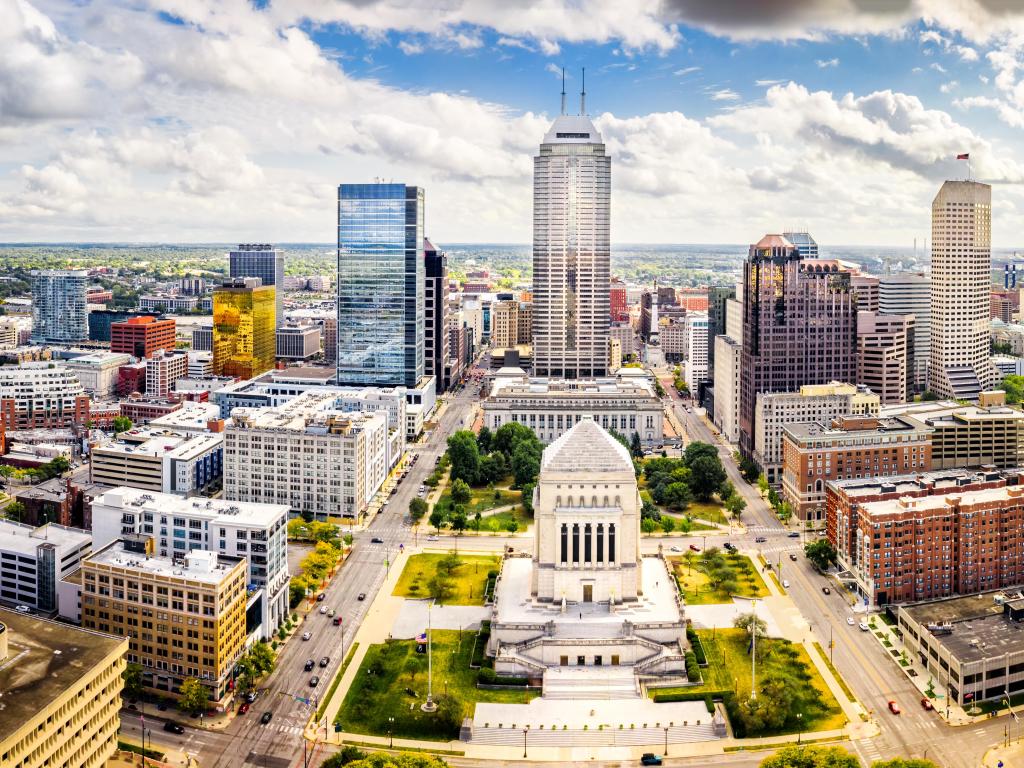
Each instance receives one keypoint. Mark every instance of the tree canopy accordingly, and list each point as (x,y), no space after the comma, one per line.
(821,553)
(811,757)
(1014,388)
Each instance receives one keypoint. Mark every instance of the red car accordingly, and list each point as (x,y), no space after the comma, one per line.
(695,548)
(894,707)
(244,708)
(927,704)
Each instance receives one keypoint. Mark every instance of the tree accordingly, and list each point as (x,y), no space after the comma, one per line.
(821,553)
(461,493)
(459,521)
(348,755)
(122,424)
(194,696)
(483,440)
(636,448)
(811,757)
(465,456)
(762,484)
(438,518)
(929,396)
(262,657)
(404,759)
(677,496)
(697,449)
(1014,388)
(736,504)
(512,525)
(440,587)
(668,524)
(647,525)
(58,466)
(14,511)
(508,436)
(751,622)
(527,491)
(707,475)
(526,463)
(904,762)
(417,509)
(726,491)
(132,677)
(450,562)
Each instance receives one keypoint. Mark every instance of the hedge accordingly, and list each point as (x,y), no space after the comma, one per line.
(692,670)
(696,646)
(488,676)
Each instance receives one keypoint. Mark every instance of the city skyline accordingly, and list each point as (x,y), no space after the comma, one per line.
(165,124)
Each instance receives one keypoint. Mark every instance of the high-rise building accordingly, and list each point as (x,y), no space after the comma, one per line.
(649,317)
(695,370)
(618,301)
(718,295)
(803,242)
(381,279)
(961,281)
(265,262)
(435,313)
(163,369)
(142,336)
(799,326)
(571,249)
(867,288)
(910,293)
(244,341)
(59,314)
(885,355)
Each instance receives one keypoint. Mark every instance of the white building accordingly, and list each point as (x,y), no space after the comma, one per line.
(727,387)
(98,372)
(44,394)
(159,459)
(59,311)
(34,560)
(961,283)
(695,371)
(200,363)
(194,417)
(169,303)
(163,369)
(307,454)
(626,403)
(298,342)
(179,525)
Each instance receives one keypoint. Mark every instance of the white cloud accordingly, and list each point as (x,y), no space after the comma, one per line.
(723,94)
(826,63)
(762,83)
(685,71)
(937,67)
(556,70)
(966,53)
(410,48)
(952,85)
(515,42)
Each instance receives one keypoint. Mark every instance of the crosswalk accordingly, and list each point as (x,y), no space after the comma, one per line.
(869,749)
(291,729)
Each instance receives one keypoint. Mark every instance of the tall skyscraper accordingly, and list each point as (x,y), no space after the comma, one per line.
(59,313)
(910,293)
(244,336)
(718,295)
(961,282)
(803,242)
(265,262)
(435,305)
(799,326)
(571,249)
(381,281)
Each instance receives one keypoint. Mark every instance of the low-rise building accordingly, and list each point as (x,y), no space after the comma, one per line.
(168,303)
(162,370)
(298,342)
(256,532)
(193,417)
(202,339)
(184,617)
(200,364)
(33,559)
(142,336)
(626,403)
(41,395)
(142,410)
(98,372)
(155,458)
(61,693)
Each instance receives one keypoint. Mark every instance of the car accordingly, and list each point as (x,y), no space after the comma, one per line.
(323,609)
(760,539)
(321,597)
(792,557)
(850,620)
(307,635)
(172,727)
(649,758)
(23,609)
(330,613)
(432,538)
(337,621)
(376,540)
(927,705)
(266,717)
(361,596)
(826,590)
(244,708)
(793,534)
(894,707)
(314,681)
(729,547)
(785,584)
(251,696)
(325,661)
(863,627)
(309,665)
(694,548)
(676,549)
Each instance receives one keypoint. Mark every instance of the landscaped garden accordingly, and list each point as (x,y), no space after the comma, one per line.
(449,578)
(392,683)
(713,576)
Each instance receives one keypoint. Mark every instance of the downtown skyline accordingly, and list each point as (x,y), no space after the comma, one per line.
(201,122)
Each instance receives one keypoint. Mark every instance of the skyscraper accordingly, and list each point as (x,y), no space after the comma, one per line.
(799,326)
(435,304)
(571,249)
(961,282)
(58,306)
(910,293)
(265,262)
(381,277)
(244,340)
(718,295)
(803,242)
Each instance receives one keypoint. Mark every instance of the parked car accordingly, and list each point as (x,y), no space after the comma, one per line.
(172,727)
(863,627)
(894,707)
(309,665)
(266,717)
(337,621)
(323,609)
(330,613)
(649,758)
(321,597)
(251,696)
(785,584)
(325,661)
(432,538)
(23,609)
(314,681)
(376,540)
(926,703)
(676,549)
(760,539)
(361,596)
(826,590)
(244,708)
(307,635)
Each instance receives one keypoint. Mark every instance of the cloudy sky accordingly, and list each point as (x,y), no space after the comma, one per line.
(221,120)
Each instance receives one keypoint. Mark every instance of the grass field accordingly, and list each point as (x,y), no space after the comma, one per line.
(498,522)
(482,500)
(708,510)
(392,682)
(696,585)
(468,579)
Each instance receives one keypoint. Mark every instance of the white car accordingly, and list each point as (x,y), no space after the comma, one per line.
(432,538)
(785,583)
(677,549)
(863,627)
(850,620)
(307,635)
(23,609)
(323,609)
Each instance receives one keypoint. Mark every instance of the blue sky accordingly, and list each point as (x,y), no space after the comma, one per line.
(196,120)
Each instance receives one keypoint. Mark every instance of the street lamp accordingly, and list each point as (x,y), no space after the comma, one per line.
(526,730)
(800,726)
(391,737)
(666,741)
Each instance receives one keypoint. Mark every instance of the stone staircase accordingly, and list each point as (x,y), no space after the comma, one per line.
(604,737)
(590,683)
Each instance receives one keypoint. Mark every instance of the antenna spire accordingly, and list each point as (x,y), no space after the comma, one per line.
(583,94)
(563,90)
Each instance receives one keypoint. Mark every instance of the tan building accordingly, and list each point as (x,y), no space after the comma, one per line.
(866,287)
(885,355)
(974,437)
(60,688)
(511,323)
(184,617)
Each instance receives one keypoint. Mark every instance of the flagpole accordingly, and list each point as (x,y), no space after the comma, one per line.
(429,705)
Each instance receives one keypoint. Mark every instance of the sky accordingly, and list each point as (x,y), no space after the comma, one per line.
(224,120)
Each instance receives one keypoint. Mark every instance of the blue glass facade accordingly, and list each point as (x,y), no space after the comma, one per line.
(381,279)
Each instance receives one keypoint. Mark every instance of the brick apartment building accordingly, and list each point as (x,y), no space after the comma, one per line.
(927,536)
(142,336)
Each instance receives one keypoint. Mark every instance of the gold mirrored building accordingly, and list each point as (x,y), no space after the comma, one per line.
(244,322)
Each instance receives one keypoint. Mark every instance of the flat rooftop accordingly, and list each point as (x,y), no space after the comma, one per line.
(216,510)
(979,629)
(940,500)
(191,416)
(114,554)
(160,441)
(942,481)
(44,660)
(24,539)
(881,427)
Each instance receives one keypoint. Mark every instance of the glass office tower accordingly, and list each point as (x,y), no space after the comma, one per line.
(265,262)
(381,278)
(244,338)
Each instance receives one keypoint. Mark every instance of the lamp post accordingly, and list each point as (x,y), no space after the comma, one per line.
(666,741)
(800,726)
(526,730)
(753,655)
(391,728)
(429,705)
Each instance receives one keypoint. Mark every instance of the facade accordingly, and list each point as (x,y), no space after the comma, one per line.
(34,558)
(330,339)
(695,371)
(202,339)
(254,532)
(976,437)
(718,296)
(142,336)
(244,341)
(142,410)
(101,320)
(156,458)
(885,355)
(307,454)
(435,314)
(192,285)
(198,603)
(618,301)
(59,313)
(799,327)
(265,262)
(550,407)
(624,334)
(910,293)
(803,242)
(168,303)
(45,395)
(511,323)
(727,387)
(961,281)
(814,454)
(61,688)
(649,319)
(163,369)
(571,250)
(298,342)
(867,289)
(98,372)
(822,402)
(381,279)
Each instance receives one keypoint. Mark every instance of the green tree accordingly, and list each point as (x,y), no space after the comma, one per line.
(726,491)
(438,519)
(668,524)
(194,696)
(349,754)
(494,467)
(512,525)
(459,521)
(636,448)
(122,424)
(526,463)
(929,396)
(465,457)
(696,449)
(811,757)
(406,759)
(509,435)
(450,562)
(417,508)
(821,553)
(14,511)
(677,496)
(736,504)
(58,466)
(706,475)
(904,762)
(647,525)
(527,491)
(132,677)
(762,483)
(460,492)
(483,440)
(751,622)
(440,587)
(262,657)
(1014,388)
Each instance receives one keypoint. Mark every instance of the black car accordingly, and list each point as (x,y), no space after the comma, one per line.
(321,597)
(649,758)
(266,717)
(314,681)
(361,596)
(794,534)
(325,661)
(760,539)
(310,664)
(376,540)
(173,727)
(728,547)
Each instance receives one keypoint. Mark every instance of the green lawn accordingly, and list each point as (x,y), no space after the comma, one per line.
(482,500)
(685,524)
(392,682)
(711,511)
(696,586)
(468,579)
(498,522)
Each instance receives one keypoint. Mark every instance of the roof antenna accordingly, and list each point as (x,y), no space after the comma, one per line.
(563,90)
(583,94)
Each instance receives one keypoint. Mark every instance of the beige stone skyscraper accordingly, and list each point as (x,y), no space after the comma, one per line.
(961,283)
